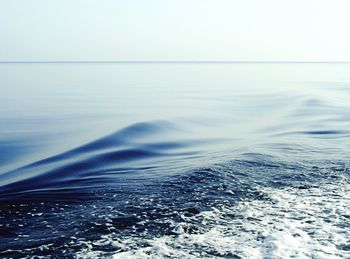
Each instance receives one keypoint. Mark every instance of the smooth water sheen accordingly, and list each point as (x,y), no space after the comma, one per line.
(175,160)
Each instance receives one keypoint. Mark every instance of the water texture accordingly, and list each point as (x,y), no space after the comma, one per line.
(175,160)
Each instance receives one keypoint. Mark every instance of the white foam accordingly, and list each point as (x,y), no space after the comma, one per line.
(299,223)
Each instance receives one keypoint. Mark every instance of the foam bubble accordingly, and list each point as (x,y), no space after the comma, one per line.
(291,222)
(299,222)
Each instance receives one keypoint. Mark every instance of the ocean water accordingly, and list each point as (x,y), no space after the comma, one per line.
(175,160)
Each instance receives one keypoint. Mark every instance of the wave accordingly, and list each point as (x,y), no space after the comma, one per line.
(99,163)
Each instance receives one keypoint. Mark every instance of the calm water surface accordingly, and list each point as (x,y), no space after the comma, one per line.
(235,160)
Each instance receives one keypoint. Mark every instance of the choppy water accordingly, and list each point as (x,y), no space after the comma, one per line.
(175,160)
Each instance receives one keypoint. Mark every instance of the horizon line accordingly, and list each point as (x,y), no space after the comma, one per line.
(166,61)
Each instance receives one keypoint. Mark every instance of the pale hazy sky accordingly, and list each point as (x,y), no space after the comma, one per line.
(175,30)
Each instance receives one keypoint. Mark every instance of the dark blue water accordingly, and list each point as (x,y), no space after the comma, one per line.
(175,160)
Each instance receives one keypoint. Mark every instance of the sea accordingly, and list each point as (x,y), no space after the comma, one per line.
(174,160)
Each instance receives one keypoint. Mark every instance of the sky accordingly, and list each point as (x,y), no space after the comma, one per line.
(167,30)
